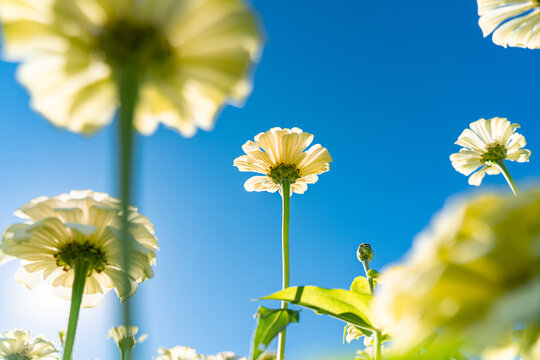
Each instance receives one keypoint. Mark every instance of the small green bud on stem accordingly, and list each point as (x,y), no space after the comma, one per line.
(365,255)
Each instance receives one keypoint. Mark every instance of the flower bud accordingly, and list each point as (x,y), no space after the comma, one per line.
(364,253)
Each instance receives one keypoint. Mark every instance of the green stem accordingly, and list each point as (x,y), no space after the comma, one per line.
(508,177)
(369,278)
(286,196)
(378,351)
(81,271)
(128,94)
(123,352)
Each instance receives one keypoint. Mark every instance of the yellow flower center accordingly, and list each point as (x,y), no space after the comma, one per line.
(130,43)
(494,153)
(76,253)
(282,172)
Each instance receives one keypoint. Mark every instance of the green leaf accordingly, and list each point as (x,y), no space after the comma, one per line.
(270,323)
(360,285)
(374,274)
(342,304)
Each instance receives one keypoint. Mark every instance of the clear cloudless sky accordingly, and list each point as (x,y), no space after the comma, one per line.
(386,86)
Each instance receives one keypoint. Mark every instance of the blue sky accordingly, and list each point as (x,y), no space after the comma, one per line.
(386,86)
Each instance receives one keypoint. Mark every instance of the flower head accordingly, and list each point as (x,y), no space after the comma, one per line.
(486,143)
(186,353)
(17,345)
(279,155)
(177,353)
(512,22)
(190,57)
(82,226)
(472,276)
(124,337)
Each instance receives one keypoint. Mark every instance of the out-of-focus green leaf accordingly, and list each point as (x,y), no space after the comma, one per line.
(269,324)
(345,305)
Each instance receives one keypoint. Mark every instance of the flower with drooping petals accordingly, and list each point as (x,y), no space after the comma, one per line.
(486,143)
(124,337)
(279,155)
(190,57)
(513,22)
(82,226)
(18,345)
(473,276)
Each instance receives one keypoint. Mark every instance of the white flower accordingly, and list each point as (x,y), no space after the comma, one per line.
(124,337)
(471,276)
(186,353)
(485,143)
(17,345)
(279,155)
(226,355)
(513,22)
(177,353)
(82,226)
(190,57)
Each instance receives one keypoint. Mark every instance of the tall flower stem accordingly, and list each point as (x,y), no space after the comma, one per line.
(286,196)
(365,263)
(508,177)
(128,94)
(81,271)
(378,352)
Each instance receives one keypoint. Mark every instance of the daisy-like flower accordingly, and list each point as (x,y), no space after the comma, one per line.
(190,57)
(513,22)
(177,353)
(486,145)
(279,155)
(472,276)
(226,355)
(18,345)
(80,229)
(124,337)
(186,353)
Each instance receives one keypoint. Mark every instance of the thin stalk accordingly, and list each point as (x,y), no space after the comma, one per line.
(369,278)
(286,196)
(508,177)
(128,94)
(81,271)
(378,351)
(123,352)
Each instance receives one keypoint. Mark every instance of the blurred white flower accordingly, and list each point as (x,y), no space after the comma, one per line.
(190,57)
(471,276)
(82,226)
(486,143)
(187,353)
(124,337)
(279,155)
(177,353)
